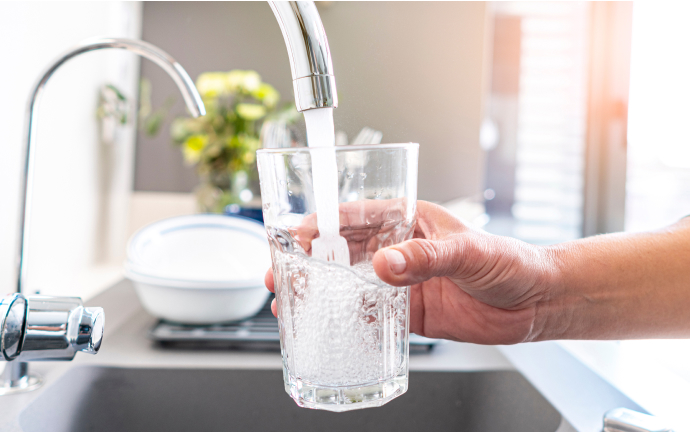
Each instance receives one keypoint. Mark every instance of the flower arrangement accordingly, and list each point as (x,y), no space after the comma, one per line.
(223,143)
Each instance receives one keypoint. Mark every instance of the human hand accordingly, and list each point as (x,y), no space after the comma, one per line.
(466,285)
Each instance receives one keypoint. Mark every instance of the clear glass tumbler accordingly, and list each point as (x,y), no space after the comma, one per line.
(344,334)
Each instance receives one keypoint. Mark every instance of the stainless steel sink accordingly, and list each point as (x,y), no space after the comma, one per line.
(206,400)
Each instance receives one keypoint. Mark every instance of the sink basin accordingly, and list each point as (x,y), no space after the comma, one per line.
(108,399)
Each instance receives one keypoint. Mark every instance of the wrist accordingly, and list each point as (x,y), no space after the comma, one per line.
(551,318)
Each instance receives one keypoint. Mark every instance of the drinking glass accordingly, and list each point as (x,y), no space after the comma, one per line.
(343,332)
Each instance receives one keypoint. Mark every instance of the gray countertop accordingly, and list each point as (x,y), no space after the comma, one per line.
(579,394)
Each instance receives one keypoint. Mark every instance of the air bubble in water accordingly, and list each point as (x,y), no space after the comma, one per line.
(348,326)
(363,175)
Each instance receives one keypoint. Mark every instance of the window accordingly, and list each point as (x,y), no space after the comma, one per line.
(658,178)
(538,108)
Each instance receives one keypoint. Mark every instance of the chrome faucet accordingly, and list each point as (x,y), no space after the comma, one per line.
(310,56)
(36,328)
(44,328)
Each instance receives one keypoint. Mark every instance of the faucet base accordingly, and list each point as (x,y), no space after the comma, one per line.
(16,379)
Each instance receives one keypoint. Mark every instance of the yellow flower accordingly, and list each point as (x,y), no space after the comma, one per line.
(238,79)
(233,80)
(250,111)
(193,147)
(267,94)
(248,158)
(233,142)
(251,81)
(211,84)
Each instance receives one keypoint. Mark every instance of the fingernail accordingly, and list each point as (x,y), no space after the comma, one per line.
(396,260)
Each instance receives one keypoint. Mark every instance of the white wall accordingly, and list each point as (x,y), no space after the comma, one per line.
(67,235)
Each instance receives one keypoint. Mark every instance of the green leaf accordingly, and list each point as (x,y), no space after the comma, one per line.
(152,125)
(117,92)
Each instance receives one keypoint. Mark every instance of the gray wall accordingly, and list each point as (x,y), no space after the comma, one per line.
(415,71)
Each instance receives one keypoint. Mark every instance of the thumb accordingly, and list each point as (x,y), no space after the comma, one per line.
(418,260)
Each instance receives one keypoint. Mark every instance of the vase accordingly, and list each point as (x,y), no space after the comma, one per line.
(208,198)
(219,190)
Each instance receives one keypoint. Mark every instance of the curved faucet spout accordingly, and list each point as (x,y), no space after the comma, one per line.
(155,54)
(310,57)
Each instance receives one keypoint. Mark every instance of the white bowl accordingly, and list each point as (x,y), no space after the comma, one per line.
(200,269)
(197,305)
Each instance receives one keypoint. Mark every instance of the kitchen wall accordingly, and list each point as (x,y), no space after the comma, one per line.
(415,71)
(80,212)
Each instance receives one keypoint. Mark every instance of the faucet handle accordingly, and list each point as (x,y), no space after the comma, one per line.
(56,328)
(12,316)
(90,330)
